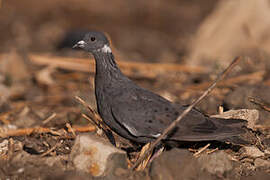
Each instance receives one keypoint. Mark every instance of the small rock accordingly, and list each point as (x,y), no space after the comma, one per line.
(55,161)
(68,175)
(216,163)
(251,115)
(96,156)
(121,172)
(262,163)
(257,175)
(177,164)
(252,151)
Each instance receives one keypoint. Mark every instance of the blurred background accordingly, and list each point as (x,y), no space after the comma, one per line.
(143,31)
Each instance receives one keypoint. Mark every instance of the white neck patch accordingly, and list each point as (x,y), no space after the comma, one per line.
(105,49)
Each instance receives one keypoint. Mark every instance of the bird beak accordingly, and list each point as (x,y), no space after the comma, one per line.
(80,44)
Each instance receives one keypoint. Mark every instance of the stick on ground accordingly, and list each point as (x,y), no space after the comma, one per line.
(40,130)
(94,116)
(260,103)
(131,69)
(178,119)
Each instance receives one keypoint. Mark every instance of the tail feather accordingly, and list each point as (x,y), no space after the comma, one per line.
(230,121)
(213,129)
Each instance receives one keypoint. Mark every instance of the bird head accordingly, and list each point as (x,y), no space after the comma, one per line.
(94,42)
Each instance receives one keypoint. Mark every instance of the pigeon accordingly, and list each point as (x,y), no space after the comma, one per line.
(140,115)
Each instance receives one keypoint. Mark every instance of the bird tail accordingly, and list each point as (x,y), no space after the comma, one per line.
(224,128)
(214,129)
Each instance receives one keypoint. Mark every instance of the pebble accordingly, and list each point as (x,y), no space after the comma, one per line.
(96,156)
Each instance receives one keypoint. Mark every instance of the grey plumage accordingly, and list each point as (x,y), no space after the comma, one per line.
(140,115)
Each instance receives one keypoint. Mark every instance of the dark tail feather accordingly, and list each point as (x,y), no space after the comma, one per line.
(227,122)
(236,126)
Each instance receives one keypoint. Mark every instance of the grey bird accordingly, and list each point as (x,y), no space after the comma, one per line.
(140,115)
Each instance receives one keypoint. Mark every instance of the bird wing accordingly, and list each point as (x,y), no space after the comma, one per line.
(142,113)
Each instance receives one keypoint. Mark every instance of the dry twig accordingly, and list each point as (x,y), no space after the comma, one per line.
(52,149)
(53,115)
(70,129)
(94,116)
(260,103)
(131,69)
(258,76)
(40,130)
(189,108)
(87,128)
(201,150)
(143,165)
(211,151)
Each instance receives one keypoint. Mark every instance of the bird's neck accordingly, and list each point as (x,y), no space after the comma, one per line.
(106,67)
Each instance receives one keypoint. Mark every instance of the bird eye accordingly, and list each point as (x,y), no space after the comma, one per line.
(93,38)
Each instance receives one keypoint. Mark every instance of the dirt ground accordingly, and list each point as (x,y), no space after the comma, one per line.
(161,45)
